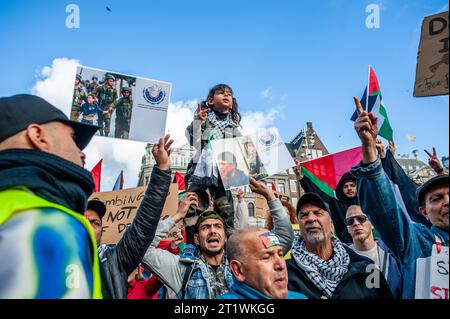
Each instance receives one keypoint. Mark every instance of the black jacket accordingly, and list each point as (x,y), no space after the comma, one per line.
(338,206)
(352,286)
(118,261)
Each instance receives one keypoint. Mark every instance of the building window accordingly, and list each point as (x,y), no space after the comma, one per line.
(293,186)
(281,188)
(251,209)
(146,180)
(319,153)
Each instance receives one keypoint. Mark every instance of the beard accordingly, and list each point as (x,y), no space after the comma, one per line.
(315,238)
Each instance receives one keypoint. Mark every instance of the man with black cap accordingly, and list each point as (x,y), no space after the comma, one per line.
(94,214)
(47,248)
(407,240)
(345,197)
(209,276)
(322,267)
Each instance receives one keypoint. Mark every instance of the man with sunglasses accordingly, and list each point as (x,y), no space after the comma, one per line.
(322,267)
(365,244)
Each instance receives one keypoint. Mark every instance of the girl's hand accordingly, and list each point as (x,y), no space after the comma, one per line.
(202,113)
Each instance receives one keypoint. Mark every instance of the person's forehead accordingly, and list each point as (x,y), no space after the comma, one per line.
(435,190)
(92,214)
(309,206)
(355,212)
(347,183)
(210,222)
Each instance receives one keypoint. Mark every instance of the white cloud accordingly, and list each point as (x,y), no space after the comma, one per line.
(266,93)
(180,115)
(55,84)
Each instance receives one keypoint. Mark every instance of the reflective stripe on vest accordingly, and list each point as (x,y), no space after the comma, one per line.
(15,200)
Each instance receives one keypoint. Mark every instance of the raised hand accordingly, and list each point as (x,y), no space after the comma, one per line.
(202,113)
(189,199)
(178,239)
(297,169)
(366,126)
(380,148)
(433,161)
(392,147)
(161,152)
(261,189)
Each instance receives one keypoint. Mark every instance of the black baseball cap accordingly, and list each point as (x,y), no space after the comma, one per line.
(19,111)
(97,206)
(312,198)
(208,214)
(425,187)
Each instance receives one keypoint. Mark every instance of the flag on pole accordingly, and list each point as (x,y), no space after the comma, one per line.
(118,185)
(376,106)
(274,188)
(179,179)
(325,172)
(97,174)
(411,138)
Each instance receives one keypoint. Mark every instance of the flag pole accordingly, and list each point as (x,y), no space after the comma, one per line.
(368,90)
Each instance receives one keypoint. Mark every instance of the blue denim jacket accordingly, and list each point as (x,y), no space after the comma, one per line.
(406,239)
(198,287)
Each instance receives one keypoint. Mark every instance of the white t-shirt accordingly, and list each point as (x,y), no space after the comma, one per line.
(371,253)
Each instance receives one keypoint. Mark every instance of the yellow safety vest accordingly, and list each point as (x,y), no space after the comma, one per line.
(14,201)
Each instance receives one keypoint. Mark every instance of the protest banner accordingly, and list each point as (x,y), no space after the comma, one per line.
(121,208)
(432,58)
(432,275)
(259,156)
(138,115)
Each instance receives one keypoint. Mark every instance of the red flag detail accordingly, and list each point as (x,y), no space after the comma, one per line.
(96,175)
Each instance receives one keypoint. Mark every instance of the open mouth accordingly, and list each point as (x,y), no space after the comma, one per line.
(213,241)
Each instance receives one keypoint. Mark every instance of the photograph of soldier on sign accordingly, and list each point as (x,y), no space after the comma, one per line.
(104,99)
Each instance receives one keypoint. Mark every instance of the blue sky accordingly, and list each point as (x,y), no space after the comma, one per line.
(309,57)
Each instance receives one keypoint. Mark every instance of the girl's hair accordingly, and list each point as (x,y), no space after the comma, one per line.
(235,115)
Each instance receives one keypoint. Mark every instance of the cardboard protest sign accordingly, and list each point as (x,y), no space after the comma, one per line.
(259,156)
(123,106)
(432,275)
(432,58)
(262,208)
(121,208)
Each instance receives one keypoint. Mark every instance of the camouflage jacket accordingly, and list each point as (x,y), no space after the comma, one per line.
(123,108)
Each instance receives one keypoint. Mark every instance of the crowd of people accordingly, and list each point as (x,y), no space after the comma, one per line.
(361,244)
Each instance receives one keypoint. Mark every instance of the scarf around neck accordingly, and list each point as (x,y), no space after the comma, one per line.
(48,176)
(219,124)
(324,274)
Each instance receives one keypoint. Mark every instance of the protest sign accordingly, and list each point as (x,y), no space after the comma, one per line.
(121,208)
(123,106)
(259,156)
(432,58)
(432,275)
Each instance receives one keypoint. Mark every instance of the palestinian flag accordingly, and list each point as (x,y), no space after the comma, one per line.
(326,171)
(376,106)
(118,185)
(179,179)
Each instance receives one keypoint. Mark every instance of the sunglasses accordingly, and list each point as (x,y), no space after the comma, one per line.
(360,218)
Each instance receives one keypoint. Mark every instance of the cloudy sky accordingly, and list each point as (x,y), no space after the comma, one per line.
(287,61)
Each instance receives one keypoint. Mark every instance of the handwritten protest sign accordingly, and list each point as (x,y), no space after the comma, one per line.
(432,275)
(432,58)
(121,208)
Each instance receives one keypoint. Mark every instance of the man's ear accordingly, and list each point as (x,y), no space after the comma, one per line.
(423,211)
(196,239)
(38,137)
(237,270)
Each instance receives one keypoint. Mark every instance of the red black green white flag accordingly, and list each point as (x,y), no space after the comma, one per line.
(326,171)
(376,106)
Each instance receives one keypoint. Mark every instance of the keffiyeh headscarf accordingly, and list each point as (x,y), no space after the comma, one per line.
(324,274)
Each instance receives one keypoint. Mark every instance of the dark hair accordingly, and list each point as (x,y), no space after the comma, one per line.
(227,157)
(235,115)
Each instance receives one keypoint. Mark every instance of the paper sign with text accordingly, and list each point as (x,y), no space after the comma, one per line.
(121,208)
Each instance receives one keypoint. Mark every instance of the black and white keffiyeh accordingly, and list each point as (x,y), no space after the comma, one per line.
(325,274)
(219,125)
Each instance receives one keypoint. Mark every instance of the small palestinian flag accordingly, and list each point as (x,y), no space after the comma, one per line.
(376,106)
